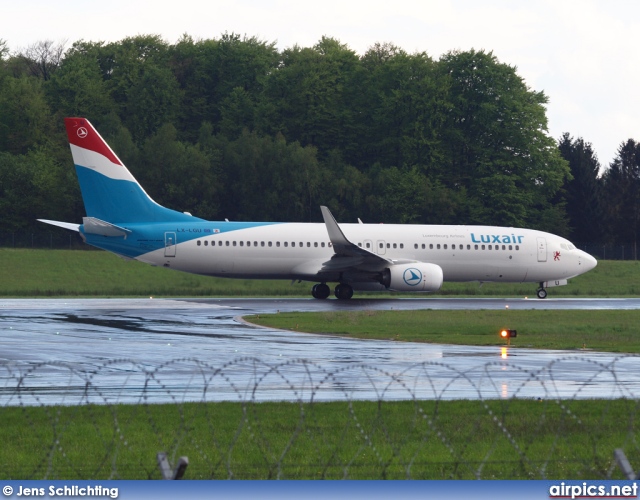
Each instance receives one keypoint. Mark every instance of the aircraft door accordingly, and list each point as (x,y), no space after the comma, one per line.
(169,244)
(542,250)
(381,247)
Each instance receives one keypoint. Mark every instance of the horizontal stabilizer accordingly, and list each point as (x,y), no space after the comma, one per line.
(96,226)
(66,225)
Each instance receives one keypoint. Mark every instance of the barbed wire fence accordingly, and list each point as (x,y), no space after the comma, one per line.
(250,419)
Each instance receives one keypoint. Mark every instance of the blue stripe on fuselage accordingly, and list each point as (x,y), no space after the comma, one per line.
(145,238)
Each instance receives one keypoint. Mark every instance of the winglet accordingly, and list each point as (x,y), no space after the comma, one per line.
(337,237)
(341,245)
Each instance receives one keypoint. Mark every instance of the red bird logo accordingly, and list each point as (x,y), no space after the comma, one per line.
(556,256)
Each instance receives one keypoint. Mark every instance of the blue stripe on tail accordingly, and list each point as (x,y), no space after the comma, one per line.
(119,201)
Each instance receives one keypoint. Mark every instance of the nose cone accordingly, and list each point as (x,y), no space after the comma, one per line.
(587,262)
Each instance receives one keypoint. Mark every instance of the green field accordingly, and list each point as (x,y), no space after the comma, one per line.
(598,330)
(76,273)
(511,439)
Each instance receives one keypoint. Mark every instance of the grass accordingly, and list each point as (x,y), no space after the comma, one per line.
(74,273)
(600,330)
(511,439)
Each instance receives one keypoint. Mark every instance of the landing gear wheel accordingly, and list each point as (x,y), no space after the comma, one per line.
(343,291)
(542,293)
(320,291)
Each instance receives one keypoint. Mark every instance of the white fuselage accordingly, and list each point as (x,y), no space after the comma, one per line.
(298,250)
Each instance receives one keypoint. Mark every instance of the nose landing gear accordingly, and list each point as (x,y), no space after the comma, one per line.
(541,293)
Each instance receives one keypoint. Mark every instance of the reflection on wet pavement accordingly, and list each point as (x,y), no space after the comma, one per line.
(133,350)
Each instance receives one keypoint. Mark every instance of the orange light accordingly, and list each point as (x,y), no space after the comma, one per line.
(504,334)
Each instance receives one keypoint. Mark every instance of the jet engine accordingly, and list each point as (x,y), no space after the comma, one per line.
(414,277)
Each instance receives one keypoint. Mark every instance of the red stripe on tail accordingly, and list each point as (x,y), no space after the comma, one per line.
(82,134)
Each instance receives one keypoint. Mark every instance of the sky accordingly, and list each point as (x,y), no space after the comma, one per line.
(583,54)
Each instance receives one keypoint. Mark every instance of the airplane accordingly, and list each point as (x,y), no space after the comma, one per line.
(123,219)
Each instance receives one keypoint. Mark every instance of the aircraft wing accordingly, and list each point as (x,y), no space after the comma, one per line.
(349,256)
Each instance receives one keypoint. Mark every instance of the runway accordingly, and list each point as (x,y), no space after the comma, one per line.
(62,351)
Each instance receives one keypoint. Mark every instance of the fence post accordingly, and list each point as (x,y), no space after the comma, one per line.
(623,463)
(165,468)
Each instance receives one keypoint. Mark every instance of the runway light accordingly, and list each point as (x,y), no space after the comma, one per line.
(507,334)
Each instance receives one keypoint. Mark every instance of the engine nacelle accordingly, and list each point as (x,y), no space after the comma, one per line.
(414,277)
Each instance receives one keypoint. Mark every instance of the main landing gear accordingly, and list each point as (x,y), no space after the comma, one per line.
(322,291)
(541,293)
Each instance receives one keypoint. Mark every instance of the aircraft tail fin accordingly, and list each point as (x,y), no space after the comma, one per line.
(110,192)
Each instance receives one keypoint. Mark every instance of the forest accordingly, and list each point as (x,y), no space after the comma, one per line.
(232,127)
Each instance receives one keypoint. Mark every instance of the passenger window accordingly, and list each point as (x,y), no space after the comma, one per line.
(226,243)
(490,247)
(286,243)
(199,243)
(431,246)
(504,247)
(388,245)
(395,245)
(242,243)
(322,244)
(368,245)
(468,247)
(424,246)
(517,247)
(438,246)
(308,243)
(315,244)
(483,247)
(234,244)
(262,243)
(445,246)
(401,245)
(277,243)
(476,247)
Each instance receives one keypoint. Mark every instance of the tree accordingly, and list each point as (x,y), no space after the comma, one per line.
(497,143)
(179,175)
(25,119)
(583,191)
(152,101)
(306,96)
(77,88)
(622,194)
(43,58)
(400,108)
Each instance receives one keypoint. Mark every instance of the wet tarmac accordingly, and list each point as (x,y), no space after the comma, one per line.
(61,351)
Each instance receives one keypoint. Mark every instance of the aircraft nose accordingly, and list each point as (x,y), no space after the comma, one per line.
(587,261)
